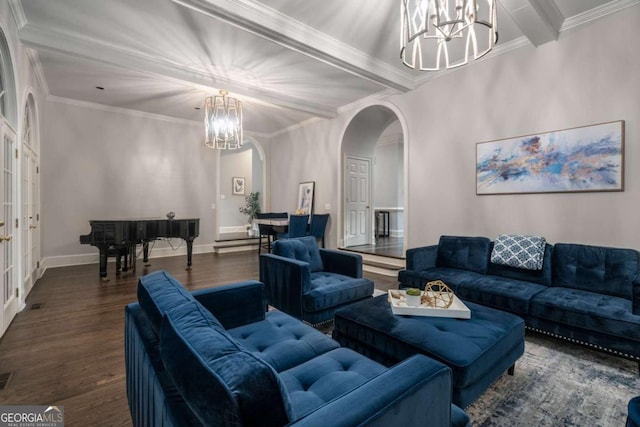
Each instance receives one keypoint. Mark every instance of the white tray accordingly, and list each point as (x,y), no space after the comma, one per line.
(457,309)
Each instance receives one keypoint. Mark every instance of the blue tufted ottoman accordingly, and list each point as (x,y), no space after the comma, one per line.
(477,350)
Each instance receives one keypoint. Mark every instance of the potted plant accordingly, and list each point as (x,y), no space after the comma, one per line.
(251,209)
(413,297)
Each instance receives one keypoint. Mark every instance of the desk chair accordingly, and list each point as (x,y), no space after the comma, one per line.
(318,226)
(297,227)
(266,231)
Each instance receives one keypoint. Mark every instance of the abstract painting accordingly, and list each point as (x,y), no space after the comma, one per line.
(588,158)
(305,198)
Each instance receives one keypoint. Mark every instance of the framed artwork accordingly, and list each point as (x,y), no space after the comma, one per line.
(305,198)
(588,158)
(237,185)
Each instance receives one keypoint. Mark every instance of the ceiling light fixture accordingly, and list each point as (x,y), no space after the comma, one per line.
(448,30)
(223,122)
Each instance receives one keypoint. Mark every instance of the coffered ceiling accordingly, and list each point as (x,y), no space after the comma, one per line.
(287,60)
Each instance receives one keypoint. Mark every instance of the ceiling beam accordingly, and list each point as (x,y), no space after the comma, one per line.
(539,20)
(263,21)
(100,52)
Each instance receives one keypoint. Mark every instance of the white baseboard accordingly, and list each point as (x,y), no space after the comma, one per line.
(69,260)
(234,229)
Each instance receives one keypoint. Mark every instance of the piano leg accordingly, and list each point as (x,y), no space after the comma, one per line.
(119,261)
(145,253)
(104,251)
(132,254)
(189,252)
(125,252)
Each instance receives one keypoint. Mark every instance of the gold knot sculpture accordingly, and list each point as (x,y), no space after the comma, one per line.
(437,295)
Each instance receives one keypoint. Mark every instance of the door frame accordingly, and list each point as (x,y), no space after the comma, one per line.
(345,183)
(10,229)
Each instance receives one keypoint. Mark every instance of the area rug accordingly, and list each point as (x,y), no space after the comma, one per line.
(556,383)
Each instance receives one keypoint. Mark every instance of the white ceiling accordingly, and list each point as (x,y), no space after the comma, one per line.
(287,60)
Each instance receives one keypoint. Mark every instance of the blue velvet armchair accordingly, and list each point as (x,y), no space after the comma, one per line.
(310,283)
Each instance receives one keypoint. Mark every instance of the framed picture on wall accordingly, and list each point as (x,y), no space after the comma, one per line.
(588,158)
(237,185)
(305,198)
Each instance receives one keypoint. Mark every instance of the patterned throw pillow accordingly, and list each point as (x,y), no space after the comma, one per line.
(525,252)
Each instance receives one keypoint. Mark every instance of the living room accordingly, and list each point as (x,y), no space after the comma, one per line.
(101,157)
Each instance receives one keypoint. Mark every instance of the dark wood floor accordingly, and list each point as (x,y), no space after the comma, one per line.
(70,350)
(385,246)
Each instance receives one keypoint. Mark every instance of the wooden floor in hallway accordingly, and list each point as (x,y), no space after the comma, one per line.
(67,347)
(392,247)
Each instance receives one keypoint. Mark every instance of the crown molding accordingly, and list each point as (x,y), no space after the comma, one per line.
(597,13)
(270,24)
(119,110)
(366,101)
(18,13)
(38,71)
(297,126)
(100,52)
(501,49)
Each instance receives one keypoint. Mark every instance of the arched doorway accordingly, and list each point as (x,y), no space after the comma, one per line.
(247,166)
(373,156)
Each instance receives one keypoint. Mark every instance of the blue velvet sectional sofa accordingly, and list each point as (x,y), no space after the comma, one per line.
(215,358)
(587,294)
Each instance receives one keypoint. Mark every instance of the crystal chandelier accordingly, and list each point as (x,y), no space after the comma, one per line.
(223,122)
(443,34)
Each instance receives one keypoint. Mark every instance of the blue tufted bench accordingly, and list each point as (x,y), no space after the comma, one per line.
(477,350)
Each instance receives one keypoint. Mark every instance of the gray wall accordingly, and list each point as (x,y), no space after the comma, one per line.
(101,164)
(586,77)
(98,163)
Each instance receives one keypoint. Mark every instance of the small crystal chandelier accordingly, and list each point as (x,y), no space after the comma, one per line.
(223,122)
(448,30)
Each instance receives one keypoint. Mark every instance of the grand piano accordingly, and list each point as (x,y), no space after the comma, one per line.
(119,238)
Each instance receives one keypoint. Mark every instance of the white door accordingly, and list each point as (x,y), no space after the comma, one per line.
(30,203)
(30,217)
(8,221)
(358,196)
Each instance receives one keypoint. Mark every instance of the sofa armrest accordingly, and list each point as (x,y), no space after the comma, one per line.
(635,302)
(344,263)
(408,394)
(422,258)
(285,281)
(236,304)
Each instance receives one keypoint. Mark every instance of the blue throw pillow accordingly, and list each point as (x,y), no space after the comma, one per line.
(526,252)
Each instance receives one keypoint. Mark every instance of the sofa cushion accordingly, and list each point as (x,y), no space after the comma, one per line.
(501,293)
(518,251)
(609,271)
(543,276)
(223,384)
(326,377)
(452,277)
(466,253)
(330,290)
(159,293)
(302,249)
(283,341)
(587,310)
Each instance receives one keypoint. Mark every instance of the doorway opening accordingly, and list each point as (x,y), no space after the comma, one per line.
(373,153)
